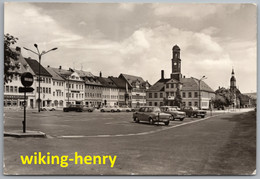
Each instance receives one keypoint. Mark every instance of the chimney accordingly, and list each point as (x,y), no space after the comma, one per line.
(18,49)
(100,74)
(48,66)
(60,67)
(162,74)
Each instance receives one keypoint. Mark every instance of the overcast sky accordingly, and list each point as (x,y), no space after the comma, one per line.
(137,39)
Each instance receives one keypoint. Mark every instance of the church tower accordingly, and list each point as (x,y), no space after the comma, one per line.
(176,63)
(232,80)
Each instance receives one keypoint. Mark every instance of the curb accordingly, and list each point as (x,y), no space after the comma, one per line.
(36,134)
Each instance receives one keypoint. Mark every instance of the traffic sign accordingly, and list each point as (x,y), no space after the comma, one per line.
(27,79)
(23,89)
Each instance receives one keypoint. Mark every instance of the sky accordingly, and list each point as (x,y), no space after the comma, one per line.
(137,38)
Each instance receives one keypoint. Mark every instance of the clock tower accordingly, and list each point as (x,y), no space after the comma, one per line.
(176,63)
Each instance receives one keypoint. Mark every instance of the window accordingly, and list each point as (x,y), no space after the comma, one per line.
(155,103)
(150,95)
(172,85)
(184,103)
(7,89)
(150,103)
(53,93)
(43,80)
(53,83)
(50,90)
(161,103)
(155,95)
(61,93)
(195,103)
(43,89)
(15,89)
(72,95)
(183,94)
(190,104)
(189,94)
(161,95)
(195,94)
(57,93)
(11,89)
(167,85)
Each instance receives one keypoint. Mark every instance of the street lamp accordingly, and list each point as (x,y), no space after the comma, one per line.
(199,80)
(39,75)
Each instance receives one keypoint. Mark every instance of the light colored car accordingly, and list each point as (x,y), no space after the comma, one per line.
(48,108)
(108,109)
(123,109)
(176,114)
(152,114)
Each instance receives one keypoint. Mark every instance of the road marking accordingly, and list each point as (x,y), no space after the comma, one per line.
(141,133)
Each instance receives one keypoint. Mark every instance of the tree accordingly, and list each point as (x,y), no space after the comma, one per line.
(9,54)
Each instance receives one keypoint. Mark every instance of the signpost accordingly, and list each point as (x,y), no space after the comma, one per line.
(27,81)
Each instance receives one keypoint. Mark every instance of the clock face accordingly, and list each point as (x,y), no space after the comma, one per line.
(175,63)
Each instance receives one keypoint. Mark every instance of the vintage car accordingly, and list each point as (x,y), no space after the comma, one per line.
(73,107)
(47,108)
(151,114)
(88,108)
(108,109)
(174,112)
(123,109)
(193,111)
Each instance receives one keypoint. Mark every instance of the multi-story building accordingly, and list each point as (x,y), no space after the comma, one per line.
(74,86)
(58,89)
(137,92)
(93,89)
(110,92)
(123,93)
(169,91)
(45,83)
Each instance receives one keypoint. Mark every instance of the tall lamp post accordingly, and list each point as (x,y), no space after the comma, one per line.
(39,74)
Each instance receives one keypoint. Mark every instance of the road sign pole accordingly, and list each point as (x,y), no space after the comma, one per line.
(24,114)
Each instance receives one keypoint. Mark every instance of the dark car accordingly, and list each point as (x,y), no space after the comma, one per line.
(192,111)
(174,112)
(151,114)
(77,108)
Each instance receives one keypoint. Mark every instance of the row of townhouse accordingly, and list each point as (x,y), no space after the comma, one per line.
(61,87)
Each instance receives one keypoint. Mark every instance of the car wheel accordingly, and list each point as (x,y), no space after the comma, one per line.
(195,115)
(151,121)
(65,110)
(102,110)
(127,111)
(136,120)
(167,123)
(181,119)
(202,116)
(89,110)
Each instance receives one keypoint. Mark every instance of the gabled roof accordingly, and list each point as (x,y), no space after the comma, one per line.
(133,79)
(84,73)
(55,75)
(120,83)
(191,84)
(35,67)
(106,82)
(159,85)
(63,73)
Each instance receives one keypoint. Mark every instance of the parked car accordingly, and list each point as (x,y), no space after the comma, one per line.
(49,108)
(151,114)
(123,109)
(192,111)
(174,112)
(88,108)
(72,107)
(108,109)
(135,109)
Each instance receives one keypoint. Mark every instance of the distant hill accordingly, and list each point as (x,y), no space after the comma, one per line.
(251,95)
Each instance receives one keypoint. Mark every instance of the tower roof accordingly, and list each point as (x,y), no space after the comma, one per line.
(175,47)
(233,71)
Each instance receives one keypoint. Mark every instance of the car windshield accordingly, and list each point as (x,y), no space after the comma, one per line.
(156,109)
